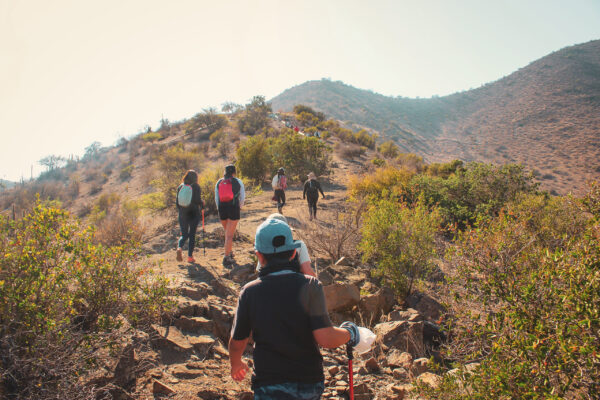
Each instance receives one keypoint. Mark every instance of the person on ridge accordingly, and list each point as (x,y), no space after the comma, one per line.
(312,187)
(303,256)
(286,314)
(189,203)
(279,184)
(229,197)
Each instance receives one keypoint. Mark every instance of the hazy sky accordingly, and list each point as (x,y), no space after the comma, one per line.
(77,71)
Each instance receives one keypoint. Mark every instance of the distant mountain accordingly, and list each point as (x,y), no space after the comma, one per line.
(545,115)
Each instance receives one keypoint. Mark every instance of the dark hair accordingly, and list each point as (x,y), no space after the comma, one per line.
(190,177)
(283,256)
(229,170)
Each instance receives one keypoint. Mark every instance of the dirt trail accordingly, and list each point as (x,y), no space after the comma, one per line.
(192,356)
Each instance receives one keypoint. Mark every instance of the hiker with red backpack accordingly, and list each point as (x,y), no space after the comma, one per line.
(189,203)
(229,197)
(279,185)
(312,187)
(285,312)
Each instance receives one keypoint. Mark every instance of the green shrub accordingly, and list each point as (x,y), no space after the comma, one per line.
(125,172)
(379,185)
(300,155)
(444,170)
(62,300)
(533,312)
(378,162)
(255,116)
(400,240)
(207,180)
(152,137)
(254,158)
(389,149)
(149,202)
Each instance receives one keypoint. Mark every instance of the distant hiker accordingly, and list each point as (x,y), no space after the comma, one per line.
(189,202)
(303,257)
(279,184)
(229,196)
(312,187)
(286,314)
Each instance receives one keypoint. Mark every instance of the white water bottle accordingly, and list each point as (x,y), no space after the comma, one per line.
(366,340)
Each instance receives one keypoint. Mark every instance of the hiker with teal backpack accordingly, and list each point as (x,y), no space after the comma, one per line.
(189,202)
(312,187)
(285,312)
(229,197)
(279,184)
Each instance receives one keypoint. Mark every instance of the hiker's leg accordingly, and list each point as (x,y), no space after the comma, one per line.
(192,235)
(283,198)
(229,232)
(184,226)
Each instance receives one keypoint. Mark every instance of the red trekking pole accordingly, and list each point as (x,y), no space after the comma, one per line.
(350,373)
(203,242)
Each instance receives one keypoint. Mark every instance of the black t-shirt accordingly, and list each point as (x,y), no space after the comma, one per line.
(281,310)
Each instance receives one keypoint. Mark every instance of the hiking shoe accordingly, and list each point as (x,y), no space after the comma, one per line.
(191,259)
(228,261)
(179,254)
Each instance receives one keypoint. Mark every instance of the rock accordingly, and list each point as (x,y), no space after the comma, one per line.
(397,358)
(160,388)
(183,372)
(340,297)
(432,334)
(362,388)
(333,370)
(363,371)
(372,365)
(195,293)
(402,315)
(220,349)
(419,366)
(400,374)
(171,338)
(202,343)
(325,277)
(222,317)
(190,308)
(426,305)
(402,335)
(374,305)
(241,273)
(125,370)
(247,396)
(194,324)
(430,379)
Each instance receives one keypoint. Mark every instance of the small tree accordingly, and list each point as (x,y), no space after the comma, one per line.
(400,241)
(52,162)
(255,116)
(254,159)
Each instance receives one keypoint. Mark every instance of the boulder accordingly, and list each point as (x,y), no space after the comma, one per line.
(194,324)
(400,374)
(183,372)
(419,366)
(430,379)
(170,338)
(198,292)
(405,315)
(374,305)
(340,296)
(125,371)
(372,365)
(325,277)
(242,273)
(202,343)
(401,335)
(190,308)
(429,307)
(397,358)
(222,317)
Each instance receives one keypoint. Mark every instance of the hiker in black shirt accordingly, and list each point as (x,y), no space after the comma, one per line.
(312,187)
(286,314)
(189,203)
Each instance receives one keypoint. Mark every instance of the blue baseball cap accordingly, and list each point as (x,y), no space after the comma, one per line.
(274,236)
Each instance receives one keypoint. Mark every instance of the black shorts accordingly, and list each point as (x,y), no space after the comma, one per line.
(229,211)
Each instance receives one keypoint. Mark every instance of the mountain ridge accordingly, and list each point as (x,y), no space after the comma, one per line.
(545,115)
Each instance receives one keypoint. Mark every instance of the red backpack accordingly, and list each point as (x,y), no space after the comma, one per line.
(225,190)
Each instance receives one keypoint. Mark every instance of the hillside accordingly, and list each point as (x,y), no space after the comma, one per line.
(545,116)
(6,184)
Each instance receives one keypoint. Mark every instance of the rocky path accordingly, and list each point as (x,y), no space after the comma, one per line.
(190,348)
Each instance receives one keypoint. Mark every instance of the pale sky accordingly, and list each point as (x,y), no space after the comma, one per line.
(77,71)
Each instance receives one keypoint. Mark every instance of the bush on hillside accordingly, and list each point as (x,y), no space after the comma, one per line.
(254,158)
(171,166)
(208,120)
(350,151)
(400,241)
(383,183)
(531,312)
(411,161)
(444,170)
(300,155)
(63,300)
(306,112)
(207,179)
(255,116)
(389,149)
(152,137)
